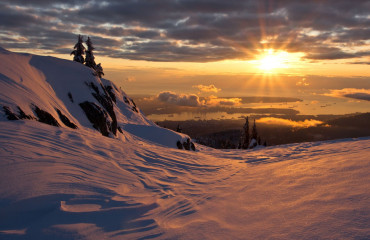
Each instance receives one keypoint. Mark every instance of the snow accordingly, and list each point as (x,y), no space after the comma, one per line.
(62,183)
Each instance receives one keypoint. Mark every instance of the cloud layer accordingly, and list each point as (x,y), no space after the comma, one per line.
(190,30)
(355,93)
(193,100)
(207,89)
(290,123)
(190,100)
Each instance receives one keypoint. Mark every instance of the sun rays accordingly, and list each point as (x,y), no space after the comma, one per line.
(271,60)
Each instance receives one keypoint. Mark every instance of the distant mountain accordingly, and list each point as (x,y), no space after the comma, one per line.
(356,121)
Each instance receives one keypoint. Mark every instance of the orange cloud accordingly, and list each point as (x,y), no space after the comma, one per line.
(193,100)
(290,123)
(209,88)
(216,101)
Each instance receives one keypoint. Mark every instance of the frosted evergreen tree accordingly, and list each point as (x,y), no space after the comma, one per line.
(244,139)
(79,50)
(254,137)
(90,59)
(254,131)
(99,70)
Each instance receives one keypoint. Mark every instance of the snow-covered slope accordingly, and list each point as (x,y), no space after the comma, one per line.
(52,84)
(65,183)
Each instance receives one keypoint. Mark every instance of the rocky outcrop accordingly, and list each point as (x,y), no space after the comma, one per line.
(187,145)
(97,116)
(42,116)
(9,114)
(65,120)
(106,101)
(45,117)
(179,145)
(109,90)
(134,108)
(23,115)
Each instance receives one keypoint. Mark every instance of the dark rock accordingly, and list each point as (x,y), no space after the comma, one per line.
(134,109)
(97,116)
(126,100)
(111,94)
(179,145)
(119,129)
(45,117)
(133,102)
(70,96)
(65,120)
(186,144)
(106,101)
(9,114)
(93,86)
(23,115)
(192,146)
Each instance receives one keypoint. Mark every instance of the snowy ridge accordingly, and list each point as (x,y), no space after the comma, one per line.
(64,183)
(51,83)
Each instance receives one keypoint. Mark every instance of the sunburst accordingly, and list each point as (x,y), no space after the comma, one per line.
(271,60)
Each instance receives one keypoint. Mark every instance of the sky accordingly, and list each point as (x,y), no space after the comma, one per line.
(206,48)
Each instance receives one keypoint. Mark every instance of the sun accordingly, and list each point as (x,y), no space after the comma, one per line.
(271,60)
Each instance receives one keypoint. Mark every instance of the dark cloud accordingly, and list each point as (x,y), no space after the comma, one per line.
(191,100)
(191,30)
(355,93)
(334,53)
(359,96)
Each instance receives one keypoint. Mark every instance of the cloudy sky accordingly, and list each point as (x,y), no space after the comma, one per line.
(174,45)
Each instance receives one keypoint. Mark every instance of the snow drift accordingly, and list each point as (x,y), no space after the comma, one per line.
(74,183)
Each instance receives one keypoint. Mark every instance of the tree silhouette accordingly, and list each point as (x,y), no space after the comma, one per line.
(99,72)
(254,131)
(90,59)
(244,139)
(79,50)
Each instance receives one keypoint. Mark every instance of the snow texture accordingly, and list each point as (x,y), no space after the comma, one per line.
(63,183)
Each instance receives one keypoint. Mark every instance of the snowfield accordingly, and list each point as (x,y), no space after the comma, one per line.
(65,183)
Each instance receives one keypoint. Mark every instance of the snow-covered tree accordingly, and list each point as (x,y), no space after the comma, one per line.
(254,131)
(90,59)
(99,70)
(244,139)
(254,138)
(79,50)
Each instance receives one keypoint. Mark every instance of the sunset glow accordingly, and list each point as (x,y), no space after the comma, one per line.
(272,60)
(184,119)
(244,48)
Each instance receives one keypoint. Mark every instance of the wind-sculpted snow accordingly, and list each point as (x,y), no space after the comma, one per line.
(70,182)
(62,183)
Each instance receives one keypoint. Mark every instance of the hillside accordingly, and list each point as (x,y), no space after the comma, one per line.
(78,183)
(68,94)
